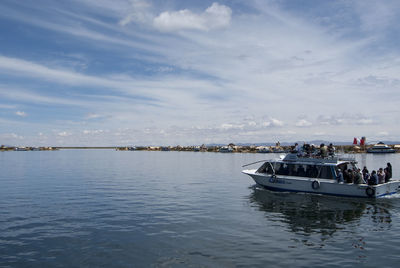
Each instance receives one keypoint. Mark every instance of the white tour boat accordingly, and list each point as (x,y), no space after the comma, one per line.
(315,175)
(226,149)
(380,148)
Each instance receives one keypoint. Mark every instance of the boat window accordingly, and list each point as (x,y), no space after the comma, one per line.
(301,170)
(266,168)
(325,172)
(281,169)
(269,168)
(312,171)
(292,170)
(296,170)
(345,166)
(262,169)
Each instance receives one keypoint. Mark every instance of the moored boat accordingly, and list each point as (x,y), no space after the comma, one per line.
(226,149)
(263,149)
(20,149)
(315,175)
(380,148)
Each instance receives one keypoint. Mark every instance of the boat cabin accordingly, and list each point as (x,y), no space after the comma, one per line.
(306,167)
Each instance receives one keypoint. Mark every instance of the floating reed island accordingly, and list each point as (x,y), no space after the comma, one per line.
(230,148)
(24,148)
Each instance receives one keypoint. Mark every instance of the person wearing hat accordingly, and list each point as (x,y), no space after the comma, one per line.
(339,176)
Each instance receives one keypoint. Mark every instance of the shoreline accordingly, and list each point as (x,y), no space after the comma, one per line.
(222,149)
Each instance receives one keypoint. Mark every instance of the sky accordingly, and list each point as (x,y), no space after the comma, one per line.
(175,72)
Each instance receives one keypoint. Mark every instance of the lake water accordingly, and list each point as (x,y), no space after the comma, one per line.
(105,208)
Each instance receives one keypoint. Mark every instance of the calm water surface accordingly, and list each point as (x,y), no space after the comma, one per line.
(91,208)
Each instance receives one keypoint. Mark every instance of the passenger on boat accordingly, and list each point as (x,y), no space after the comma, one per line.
(373,179)
(381,176)
(312,171)
(268,169)
(331,150)
(292,170)
(358,177)
(300,171)
(312,149)
(339,177)
(296,148)
(283,170)
(389,168)
(348,175)
(365,174)
(387,178)
(307,149)
(323,150)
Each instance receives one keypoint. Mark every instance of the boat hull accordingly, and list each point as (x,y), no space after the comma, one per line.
(322,186)
(380,151)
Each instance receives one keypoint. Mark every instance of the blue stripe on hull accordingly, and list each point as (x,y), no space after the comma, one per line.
(295,191)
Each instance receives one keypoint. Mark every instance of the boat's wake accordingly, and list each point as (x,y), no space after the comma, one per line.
(391,196)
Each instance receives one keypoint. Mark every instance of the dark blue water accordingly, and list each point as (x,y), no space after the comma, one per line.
(91,208)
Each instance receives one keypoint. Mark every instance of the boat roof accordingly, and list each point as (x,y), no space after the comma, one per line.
(335,160)
(381,145)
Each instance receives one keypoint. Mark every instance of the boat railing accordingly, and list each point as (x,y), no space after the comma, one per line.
(255,163)
(349,158)
(312,159)
(317,159)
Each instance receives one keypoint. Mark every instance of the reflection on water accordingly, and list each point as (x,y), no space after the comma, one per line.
(309,213)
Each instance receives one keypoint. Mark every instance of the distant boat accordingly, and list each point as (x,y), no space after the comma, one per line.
(263,149)
(380,148)
(279,150)
(21,149)
(226,149)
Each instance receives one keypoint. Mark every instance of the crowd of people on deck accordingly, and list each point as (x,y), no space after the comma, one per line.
(358,176)
(308,150)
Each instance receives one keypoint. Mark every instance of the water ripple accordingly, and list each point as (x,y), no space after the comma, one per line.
(118,209)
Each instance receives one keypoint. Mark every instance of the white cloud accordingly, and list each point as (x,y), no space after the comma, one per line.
(7,106)
(11,136)
(140,12)
(215,16)
(93,116)
(206,78)
(365,121)
(319,134)
(21,113)
(96,131)
(276,122)
(303,123)
(272,122)
(252,123)
(64,134)
(227,126)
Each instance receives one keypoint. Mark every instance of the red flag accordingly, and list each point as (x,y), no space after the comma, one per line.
(362,141)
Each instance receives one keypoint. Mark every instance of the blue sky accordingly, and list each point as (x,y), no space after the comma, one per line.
(132,72)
